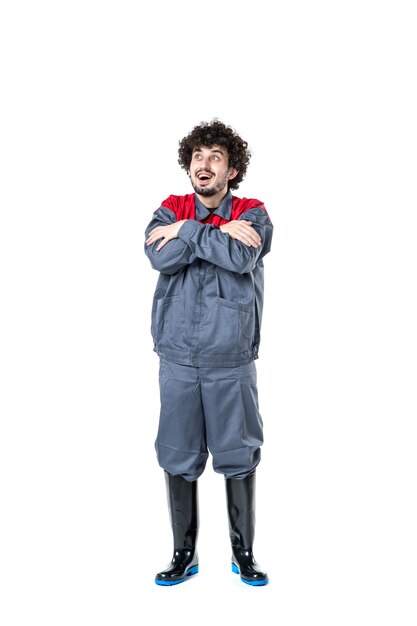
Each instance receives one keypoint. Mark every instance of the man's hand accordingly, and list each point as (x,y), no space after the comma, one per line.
(243,231)
(166,233)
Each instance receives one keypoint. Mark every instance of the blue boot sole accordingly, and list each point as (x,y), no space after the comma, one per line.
(253,583)
(166,583)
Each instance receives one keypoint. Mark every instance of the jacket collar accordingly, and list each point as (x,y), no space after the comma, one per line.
(224,209)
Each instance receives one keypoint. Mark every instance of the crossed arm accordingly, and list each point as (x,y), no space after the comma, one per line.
(241,230)
(235,246)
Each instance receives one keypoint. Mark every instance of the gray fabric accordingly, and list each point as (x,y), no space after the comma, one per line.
(207,307)
(208,409)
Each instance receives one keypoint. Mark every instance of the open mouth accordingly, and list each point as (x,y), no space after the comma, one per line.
(204,178)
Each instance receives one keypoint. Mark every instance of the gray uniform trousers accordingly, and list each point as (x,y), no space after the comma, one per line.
(208,409)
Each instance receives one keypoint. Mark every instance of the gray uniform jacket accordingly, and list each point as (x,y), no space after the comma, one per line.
(207,307)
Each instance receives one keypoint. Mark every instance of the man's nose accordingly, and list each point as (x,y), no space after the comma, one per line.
(204,163)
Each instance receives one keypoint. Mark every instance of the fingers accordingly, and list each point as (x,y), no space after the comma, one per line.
(162,244)
(167,232)
(154,235)
(251,237)
(151,237)
(244,232)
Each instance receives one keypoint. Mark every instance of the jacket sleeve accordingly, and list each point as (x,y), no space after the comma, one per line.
(175,254)
(211,244)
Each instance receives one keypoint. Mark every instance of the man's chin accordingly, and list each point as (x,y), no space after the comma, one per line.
(206,192)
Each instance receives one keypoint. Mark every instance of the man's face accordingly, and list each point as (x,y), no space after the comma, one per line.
(209,170)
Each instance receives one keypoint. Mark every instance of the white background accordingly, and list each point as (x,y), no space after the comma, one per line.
(95,97)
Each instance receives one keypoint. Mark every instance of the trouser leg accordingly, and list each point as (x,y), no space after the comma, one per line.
(233,422)
(180,444)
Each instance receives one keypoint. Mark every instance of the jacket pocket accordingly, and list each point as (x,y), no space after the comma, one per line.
(247,322)
(168,321)
(236,323)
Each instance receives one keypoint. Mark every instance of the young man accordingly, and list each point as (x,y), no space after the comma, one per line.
(206,319)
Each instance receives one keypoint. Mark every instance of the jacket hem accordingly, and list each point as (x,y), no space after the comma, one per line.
(201,360)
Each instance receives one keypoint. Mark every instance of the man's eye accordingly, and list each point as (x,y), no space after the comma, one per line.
(215,157)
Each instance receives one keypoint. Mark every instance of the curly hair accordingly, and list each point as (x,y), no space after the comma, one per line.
(216,133)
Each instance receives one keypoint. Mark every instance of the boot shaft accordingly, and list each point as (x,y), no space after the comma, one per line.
(240,495)
(182,498)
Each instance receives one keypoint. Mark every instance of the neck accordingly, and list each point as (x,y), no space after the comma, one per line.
(212,202)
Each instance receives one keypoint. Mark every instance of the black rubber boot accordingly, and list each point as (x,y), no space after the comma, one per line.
(183,510)
(241,510)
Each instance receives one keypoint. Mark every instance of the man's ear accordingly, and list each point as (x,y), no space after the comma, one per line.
(233,172)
